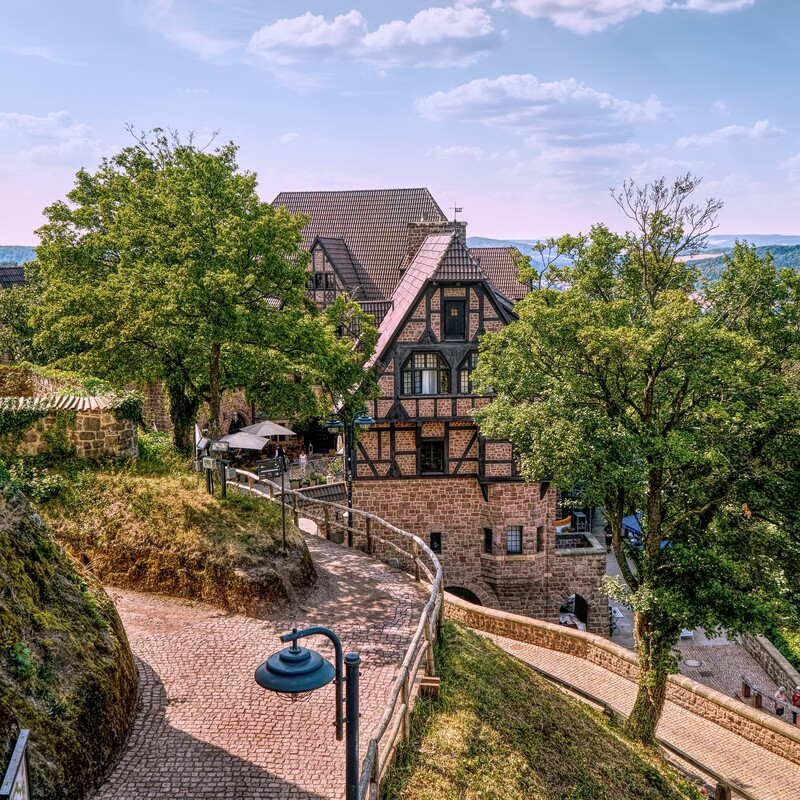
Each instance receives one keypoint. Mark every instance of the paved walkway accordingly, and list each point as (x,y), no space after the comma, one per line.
(205,729)
(756,770)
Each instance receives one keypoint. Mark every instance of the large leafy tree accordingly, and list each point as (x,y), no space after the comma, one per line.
(662,395)
(165,265)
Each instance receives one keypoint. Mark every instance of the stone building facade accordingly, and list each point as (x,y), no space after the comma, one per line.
(424,466)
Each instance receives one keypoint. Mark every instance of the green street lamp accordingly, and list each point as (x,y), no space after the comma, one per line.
(296,670)
(342,423)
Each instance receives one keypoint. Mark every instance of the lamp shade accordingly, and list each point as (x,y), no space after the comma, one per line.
(364,419)
(294,670)
(334,425)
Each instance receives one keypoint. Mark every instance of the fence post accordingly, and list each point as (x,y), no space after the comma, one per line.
(415,553)
(722,792)
(375,775)
(327,523)
(295,513)
(429,662)
(271,491)
(370,547)
(250,485)
(405,700)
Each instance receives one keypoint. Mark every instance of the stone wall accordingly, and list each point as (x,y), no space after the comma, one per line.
(771,661)
(96,434)
(535,582)
(750,723)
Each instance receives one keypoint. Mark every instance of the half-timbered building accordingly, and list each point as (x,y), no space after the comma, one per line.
(424,465)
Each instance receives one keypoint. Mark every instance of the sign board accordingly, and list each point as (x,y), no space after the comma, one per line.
(209,463)
(219,447)
(271,468)
(15,784)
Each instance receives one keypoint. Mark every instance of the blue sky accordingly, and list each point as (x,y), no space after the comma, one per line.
(523,112)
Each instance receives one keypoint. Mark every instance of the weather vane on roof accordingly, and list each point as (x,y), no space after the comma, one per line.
(456,211)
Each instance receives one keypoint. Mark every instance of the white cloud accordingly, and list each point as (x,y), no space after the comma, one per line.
(792,165)
(559,113)
(591,16)
(456,151)
(732,133)
(719,107)
(287,138)
(53,138)
(163,17)
(34,51)
(437,37)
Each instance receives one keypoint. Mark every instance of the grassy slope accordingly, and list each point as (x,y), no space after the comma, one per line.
(501,731)
(150,525)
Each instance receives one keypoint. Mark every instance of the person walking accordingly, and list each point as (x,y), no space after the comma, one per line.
(780,699)
(796,703)
(609,536)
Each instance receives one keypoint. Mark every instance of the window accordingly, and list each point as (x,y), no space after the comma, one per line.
(310,281)
(539,538)
(487,540)
(319,280)
(426,373)
(455,318)
(514,540)
(465,372)
(431,457)
(436,541)
(329,281)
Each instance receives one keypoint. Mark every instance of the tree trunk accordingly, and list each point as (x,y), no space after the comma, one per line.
(214,400)
(656,662)
(182,413)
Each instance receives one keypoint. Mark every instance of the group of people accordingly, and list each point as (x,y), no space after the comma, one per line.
(780,699)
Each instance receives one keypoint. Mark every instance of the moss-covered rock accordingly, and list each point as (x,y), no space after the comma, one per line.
(66,669)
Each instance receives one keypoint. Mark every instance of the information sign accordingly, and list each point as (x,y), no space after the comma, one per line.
(209,463)
(15,784)
(271,468)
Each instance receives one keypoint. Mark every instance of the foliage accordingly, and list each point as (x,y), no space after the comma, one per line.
(656,398)
(165,265)
(499,730)
(17,329)
(14,422)
(787,255)
(327,353)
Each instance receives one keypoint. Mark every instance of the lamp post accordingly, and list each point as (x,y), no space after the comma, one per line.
(296,670)
(347,423)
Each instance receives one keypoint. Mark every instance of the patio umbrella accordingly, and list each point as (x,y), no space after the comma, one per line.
(267,428)
(244,441)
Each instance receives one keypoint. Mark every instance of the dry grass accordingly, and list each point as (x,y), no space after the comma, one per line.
(501,731)
(155,529)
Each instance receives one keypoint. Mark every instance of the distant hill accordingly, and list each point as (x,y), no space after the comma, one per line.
(785,249)
(16,254)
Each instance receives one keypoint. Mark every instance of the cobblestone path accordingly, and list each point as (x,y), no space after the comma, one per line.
(755,769)
(205,729)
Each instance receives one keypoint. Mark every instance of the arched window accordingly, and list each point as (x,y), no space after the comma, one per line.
(426,373)
(465,372)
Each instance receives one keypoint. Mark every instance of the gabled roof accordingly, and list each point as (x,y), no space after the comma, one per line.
(498,265)
(359,285)
(373,223)
(442,257)
(11,275)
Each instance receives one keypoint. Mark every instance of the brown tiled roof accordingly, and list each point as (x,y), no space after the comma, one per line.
(11,275)
(458,264)
(57,402)
(498,265)
(373,223)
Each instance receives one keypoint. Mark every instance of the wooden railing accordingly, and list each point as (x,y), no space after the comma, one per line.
(404,550)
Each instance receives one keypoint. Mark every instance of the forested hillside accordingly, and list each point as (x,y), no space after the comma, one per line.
(17,254)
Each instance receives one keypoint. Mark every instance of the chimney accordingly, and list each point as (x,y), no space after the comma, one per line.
(418,232)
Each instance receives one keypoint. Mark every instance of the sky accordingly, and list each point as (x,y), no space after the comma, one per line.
(524,113)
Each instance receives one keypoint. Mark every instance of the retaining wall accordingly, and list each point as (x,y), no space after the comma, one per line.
(772,661)
(749,723)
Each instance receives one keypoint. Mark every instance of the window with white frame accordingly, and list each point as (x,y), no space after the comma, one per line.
(426,373)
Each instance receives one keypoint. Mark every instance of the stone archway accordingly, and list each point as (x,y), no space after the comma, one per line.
(464,594)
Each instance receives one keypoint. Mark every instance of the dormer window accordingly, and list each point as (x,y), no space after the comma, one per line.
(426,373)
(465,372)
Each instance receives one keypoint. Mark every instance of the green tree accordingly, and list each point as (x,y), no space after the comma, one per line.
(165,265)
(16,329)
(658,396)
